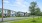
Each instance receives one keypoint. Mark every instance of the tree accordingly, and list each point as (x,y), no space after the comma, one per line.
(40,13)
(32,8)
(9,13)
(24,14)
(18,14)
(37,12)
(0,14)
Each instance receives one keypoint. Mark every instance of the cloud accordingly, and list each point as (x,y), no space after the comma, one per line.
(6,1)
(18,5)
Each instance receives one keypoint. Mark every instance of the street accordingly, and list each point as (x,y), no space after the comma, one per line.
(12,18)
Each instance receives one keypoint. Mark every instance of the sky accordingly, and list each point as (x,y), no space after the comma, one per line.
(19,5)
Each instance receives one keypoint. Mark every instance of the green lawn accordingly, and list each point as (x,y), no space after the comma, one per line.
(29,21)
(0,16)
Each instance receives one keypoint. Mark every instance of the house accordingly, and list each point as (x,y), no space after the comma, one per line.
(12,13)
(7,12)
(22,14)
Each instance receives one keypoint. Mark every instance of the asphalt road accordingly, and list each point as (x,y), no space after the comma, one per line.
(12,18)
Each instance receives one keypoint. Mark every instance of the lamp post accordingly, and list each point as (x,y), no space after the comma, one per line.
(2,10)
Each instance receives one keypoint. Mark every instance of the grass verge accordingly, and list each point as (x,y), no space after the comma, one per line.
(29,21)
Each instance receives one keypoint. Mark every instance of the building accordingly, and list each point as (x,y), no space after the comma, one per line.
(22,14)
(7,12)
(13,13)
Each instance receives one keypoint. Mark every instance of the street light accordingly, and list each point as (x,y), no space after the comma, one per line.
(2,10)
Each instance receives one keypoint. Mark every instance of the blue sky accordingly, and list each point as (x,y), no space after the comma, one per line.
(19,5)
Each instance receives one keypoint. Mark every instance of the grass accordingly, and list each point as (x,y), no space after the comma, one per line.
(0,16)
(26,20)
(29,21)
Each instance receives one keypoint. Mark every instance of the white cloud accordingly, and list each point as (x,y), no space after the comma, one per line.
(6,1)
(19,0)
(33,0)
(19,4)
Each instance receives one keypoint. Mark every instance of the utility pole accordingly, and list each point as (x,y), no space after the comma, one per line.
(2,10)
